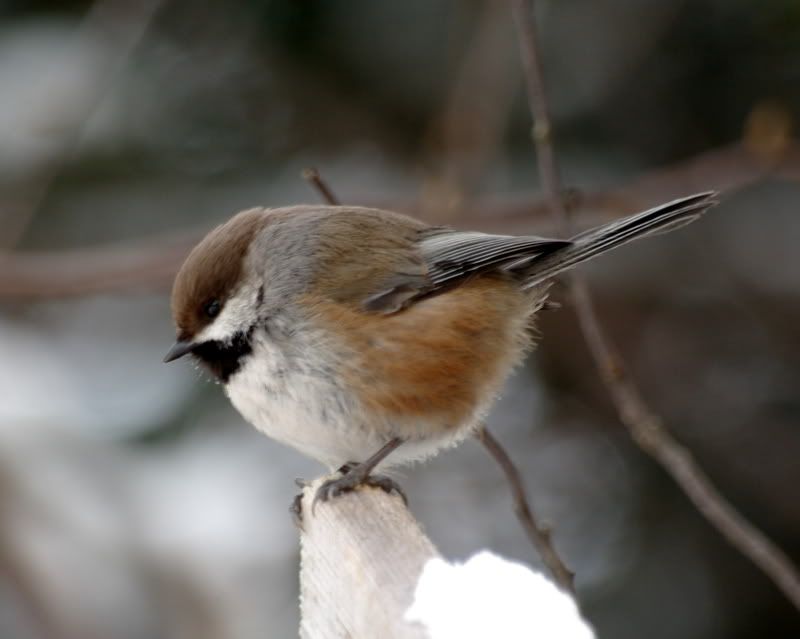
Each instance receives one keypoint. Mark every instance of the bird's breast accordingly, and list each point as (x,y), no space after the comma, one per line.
(288,388)
(341,383)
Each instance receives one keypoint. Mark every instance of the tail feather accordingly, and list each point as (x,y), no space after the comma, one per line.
(593,242)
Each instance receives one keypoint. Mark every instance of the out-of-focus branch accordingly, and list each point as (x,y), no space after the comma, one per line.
(728,168)
(121,23)
(464,138)
(17,572)
(150,264)
(538,535)
(542,128)
(645,428)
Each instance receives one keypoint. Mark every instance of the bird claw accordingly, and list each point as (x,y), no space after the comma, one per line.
(387,485)
(350,480)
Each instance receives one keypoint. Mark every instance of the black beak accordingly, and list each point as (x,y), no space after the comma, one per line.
(179,349)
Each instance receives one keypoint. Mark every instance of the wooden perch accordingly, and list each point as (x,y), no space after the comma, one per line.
(360,558)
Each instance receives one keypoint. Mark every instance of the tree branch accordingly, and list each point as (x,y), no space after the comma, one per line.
(315,179)
(538,535)
(147,264)
(151,264)
(361,556)
(118,21)
(645,428)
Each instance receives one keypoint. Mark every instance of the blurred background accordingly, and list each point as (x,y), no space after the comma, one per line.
(134,501)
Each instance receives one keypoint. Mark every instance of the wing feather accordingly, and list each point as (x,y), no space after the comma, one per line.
(454,255)
(436,259)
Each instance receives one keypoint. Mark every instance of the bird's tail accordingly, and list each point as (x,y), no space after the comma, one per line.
(585,246)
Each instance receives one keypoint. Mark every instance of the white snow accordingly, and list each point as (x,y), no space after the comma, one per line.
(489,596)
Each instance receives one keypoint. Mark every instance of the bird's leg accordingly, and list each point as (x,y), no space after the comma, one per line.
(355,475)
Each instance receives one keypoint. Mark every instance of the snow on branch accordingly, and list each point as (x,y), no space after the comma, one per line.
(367,570)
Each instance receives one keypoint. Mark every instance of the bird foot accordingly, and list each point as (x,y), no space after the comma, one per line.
(353,476)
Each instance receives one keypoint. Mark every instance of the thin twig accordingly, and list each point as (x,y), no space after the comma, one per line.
(645,428)
(538,535)
(315,179)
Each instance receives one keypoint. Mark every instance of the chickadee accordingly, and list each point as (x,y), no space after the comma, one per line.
(351,333)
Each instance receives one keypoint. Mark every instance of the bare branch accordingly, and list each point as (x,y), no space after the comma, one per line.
(727,168)
(315,179)
(645,428)
(538,535)
(466,136)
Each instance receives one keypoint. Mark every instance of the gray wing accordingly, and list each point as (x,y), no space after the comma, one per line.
(447,258)
(452,257)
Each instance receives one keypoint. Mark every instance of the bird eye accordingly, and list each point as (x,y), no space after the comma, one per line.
(212,308)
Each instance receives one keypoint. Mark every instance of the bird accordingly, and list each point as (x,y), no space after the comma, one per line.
(367,339)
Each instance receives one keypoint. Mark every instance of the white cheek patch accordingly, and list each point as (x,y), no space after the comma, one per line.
(238,314)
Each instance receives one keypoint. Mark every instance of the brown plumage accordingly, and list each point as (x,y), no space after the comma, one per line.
(212,270)
(438,357)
